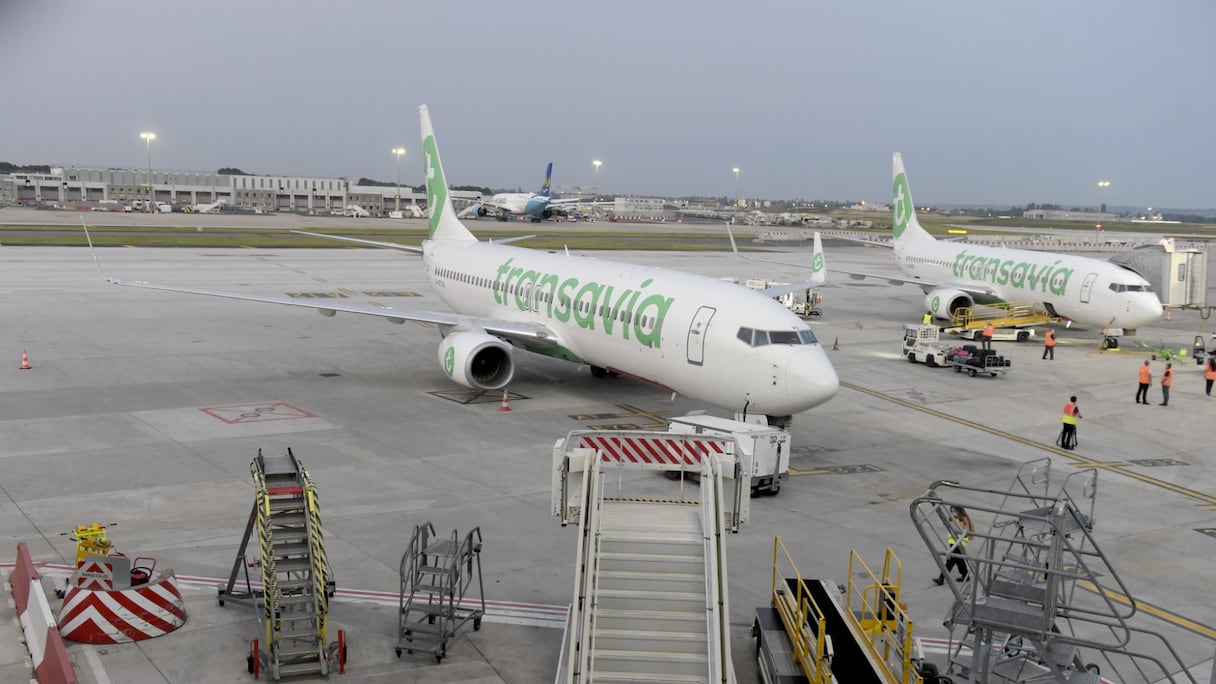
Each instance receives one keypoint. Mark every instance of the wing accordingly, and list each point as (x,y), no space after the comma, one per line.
(369,243)
(523,334)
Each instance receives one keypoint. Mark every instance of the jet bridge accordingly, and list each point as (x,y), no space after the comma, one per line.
(1042,602)
(650,594)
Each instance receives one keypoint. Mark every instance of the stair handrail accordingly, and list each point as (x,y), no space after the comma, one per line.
(316,552)
(721,667)
(270,587)
(595,511)
(580,604)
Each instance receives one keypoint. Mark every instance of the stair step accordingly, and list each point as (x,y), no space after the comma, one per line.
(661,664)
(297,669)
(651,581)
(633,677)
(285,548)
(655,600)
(645,562)
(293,564)
(650,640)
(649,619)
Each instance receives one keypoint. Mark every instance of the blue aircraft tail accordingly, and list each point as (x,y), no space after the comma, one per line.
(544,189)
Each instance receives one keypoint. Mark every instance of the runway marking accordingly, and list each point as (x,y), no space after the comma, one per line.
(1119,467)
(1154,462)
(502,612)
(99,670)
(256,413)
(1171,617)
(839,470)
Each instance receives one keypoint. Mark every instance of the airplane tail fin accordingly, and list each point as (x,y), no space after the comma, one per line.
(819,272)
(546,188)
(904,226)
(443,224)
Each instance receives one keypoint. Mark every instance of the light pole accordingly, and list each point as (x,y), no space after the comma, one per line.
(148,138)
(399,152)
(736,172)
(1102,186)
(595,185)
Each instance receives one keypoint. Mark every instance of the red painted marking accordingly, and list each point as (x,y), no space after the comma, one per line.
(256,413)
(295,490)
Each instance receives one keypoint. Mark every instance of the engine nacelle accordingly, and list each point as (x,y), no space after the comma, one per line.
(481,211)
(477,360)
(943,302)
(547,213)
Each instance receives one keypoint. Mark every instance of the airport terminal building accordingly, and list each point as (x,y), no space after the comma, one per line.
(73,186)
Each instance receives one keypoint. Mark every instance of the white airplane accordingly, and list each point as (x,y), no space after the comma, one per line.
(707,339)
(538,205)
(953,275)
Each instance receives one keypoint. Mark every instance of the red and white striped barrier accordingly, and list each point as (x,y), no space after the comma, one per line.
(42,639)
(659,450)
(123,615)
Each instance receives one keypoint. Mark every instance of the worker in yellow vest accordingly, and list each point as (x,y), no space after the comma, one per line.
(1072,415)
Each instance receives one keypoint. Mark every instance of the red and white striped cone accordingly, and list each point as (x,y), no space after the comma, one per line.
(25,361)
(506,402)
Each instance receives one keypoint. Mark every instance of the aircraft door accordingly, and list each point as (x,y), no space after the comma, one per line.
(696,334)
(1087,287)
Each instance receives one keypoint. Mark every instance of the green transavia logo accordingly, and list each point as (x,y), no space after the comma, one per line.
(817,263)
(436,188)
(633,312)
(937,302)
(1024,275)
(449,361)
(901,207)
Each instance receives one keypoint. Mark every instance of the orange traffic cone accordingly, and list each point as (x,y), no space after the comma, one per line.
(25,360)
(506,402)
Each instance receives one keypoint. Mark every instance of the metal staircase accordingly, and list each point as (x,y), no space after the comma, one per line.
(436,574)
(650,598)
(296,579)
(1040,594)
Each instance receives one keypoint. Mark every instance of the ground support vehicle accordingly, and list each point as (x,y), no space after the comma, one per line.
(974,361)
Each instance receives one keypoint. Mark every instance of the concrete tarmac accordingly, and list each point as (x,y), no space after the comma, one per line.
(143,409)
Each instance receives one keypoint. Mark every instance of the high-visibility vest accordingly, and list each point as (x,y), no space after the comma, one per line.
(1070,417)
(927,320)
(1167,378)
(965,540)
(1209,373)
(1050,339)
(1146,376)
(988,330)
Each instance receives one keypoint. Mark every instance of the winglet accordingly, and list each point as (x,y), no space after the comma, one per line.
(443,224)
(96,261)
(819,272)
(904,226)
(546,188)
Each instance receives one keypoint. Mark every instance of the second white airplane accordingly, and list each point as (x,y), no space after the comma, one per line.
(704,338)
(1081,289)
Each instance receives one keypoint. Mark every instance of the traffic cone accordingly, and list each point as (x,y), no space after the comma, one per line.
(506,402)
(25,360)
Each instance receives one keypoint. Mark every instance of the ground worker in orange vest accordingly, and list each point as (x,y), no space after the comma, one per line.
(987,335)
(1072,415)
(1146,379)
(1167,379)
(1209,374)
(1049,344)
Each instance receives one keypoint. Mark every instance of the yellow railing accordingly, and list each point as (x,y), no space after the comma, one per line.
(316,555)
(1000,314)
(265,553)
(874,601)
(804,621)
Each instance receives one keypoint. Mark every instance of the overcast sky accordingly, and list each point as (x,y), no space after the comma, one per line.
(998,103)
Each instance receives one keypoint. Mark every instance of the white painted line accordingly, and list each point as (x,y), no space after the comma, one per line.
(99,670)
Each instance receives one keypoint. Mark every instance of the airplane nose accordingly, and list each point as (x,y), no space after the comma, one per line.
(810,377)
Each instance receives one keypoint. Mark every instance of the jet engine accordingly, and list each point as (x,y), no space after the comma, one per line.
(943,302)
(481,211)
(476,359)
(547,213)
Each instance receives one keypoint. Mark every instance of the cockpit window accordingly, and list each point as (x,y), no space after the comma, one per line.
(1121,287)
(760,338)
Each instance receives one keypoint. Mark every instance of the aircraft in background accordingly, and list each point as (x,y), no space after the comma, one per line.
(953,275)
(707,339)
(537,205)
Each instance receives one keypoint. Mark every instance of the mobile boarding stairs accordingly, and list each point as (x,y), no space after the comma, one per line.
(1041,602)
(650,592)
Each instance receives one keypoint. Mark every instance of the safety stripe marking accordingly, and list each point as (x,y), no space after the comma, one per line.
(1171,617)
